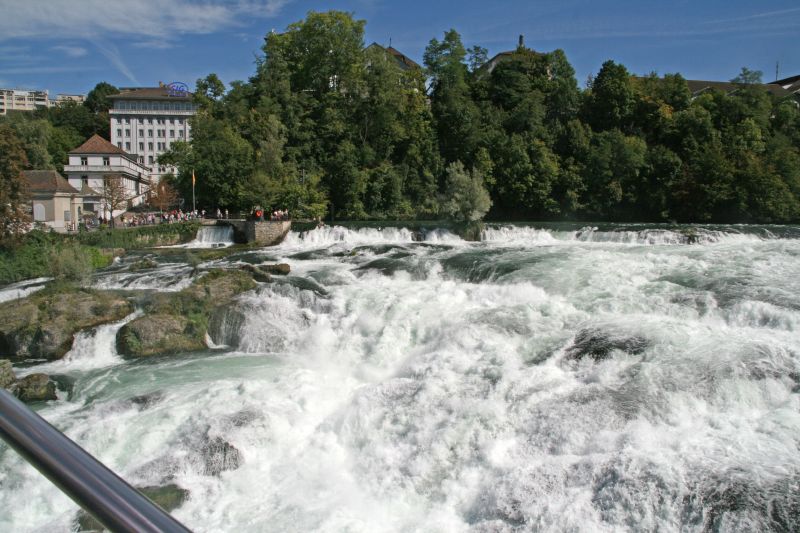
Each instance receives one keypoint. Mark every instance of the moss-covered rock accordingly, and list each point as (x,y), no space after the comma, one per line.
(258,274)
(35,388)
(281,269)
(178,322)
(44,325)
(168,497)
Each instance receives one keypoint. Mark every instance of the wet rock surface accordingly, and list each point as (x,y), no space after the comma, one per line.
(32,388)
(598,344)
(179,322)
(44,325)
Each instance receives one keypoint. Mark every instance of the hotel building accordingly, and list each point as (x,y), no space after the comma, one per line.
(146,121)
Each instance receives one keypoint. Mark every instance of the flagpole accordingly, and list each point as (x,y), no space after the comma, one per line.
(194,207)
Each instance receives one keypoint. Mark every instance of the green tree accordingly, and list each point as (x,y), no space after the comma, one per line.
(98,100)
(466,198)
(13,189)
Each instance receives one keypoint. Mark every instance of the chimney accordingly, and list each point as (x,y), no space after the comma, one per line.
(521,41)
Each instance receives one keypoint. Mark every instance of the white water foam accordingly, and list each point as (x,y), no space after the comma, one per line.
(581,388)
(22,289)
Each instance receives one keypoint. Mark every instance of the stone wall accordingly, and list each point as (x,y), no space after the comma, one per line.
(268,233)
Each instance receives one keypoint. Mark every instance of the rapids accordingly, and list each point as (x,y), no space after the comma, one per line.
(544,379)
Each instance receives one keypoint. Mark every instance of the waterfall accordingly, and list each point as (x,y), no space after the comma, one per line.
(213,237)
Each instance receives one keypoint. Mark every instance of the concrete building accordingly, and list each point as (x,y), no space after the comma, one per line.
(97,161)
(54,202)
(146,121)
(62,98)
(19,100)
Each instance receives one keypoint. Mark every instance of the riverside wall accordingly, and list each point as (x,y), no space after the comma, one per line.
(263,233)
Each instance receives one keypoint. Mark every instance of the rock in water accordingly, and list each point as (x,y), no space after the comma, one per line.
(44,324)
(35,388)
(598,344)
(178,322)
(219,455)
(281,269)
(168,497)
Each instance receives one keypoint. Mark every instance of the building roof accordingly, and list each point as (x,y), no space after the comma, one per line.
(787,83)
(698,86)
(97,145)
(151,93)
(402,60)
(47,181)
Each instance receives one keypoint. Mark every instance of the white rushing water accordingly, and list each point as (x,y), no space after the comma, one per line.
(539,380)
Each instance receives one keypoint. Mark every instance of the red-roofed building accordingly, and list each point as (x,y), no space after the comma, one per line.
(94,162)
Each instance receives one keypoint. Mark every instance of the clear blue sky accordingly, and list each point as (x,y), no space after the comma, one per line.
(70,45)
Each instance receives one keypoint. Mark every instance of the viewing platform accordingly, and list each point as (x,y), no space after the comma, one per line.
(263,233)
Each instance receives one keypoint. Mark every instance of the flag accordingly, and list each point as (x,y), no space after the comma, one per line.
(193,179)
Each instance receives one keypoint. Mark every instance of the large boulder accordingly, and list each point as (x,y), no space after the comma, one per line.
(281,269)
(32,388)
(160,334)
(35,388)
(44,325)
(178,322)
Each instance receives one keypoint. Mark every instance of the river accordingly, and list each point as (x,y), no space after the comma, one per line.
(544,379)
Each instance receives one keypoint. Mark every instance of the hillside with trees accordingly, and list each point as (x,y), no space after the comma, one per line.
(327,126)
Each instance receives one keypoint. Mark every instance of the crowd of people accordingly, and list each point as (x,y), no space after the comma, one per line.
(129,220)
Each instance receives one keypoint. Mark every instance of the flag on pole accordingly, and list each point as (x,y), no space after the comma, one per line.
(193,178)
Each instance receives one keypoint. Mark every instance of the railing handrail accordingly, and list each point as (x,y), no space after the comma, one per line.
(93,486)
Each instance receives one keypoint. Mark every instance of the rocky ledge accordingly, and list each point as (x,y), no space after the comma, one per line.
(43,326)
(178,322)
(31,388)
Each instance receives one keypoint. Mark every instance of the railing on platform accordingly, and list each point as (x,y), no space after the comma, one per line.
(103,494)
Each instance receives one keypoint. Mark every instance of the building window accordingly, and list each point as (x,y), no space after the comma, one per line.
(85,181)
(150,159)
(141,159)
(119,133)
(119,145)
(180,121)
(141,133)
(106,161)
(127,121)
(180,134)
(141,147)
(171,134)
(84,161)
(149,133)
(127,133)
(127,146)
(149,120)
(150,146)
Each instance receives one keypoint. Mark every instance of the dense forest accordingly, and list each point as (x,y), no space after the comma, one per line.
(327,126)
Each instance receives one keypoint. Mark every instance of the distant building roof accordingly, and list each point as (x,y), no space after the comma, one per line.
(151,93)
(698,86)
(490,65)
(402,60)
(47,181)
(97,145)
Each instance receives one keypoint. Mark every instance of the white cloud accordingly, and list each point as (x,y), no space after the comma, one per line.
(153,19)
(111,52)
(71,51)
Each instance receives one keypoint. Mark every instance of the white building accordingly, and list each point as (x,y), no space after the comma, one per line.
(19,100)
(146,121)
(63,98)
(54,202)
(96,161)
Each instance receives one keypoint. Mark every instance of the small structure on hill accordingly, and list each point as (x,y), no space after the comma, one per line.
(54,202)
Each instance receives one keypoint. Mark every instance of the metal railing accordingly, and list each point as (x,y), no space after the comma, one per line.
(103,494)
